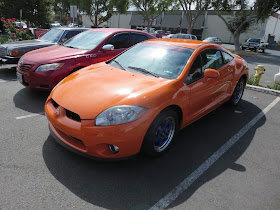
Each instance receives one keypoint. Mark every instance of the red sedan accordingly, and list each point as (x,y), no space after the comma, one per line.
(44,68)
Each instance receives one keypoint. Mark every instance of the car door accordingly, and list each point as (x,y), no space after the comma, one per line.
(204,91)
(120,41)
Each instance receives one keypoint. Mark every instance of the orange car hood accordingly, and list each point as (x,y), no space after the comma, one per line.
(94,89)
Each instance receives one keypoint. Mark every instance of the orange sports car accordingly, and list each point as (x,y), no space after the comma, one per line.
(137,101)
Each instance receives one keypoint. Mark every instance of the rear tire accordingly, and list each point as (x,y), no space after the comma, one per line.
(237,93)
(160,134)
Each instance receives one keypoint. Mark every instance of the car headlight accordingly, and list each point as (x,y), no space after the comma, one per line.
(12,52)
(119,115)
(48,67)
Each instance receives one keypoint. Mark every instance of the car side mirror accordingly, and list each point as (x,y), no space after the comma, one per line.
(108,47)
(211,73)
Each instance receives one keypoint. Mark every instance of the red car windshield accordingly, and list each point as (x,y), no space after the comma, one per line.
(160,60)
(87,40)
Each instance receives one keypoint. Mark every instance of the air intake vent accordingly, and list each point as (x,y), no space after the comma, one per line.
(73,115)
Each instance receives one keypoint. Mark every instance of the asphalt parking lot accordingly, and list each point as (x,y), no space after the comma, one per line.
(270,60)
(229,159)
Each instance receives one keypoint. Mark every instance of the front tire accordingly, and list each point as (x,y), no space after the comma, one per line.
(237,93)
(161,133)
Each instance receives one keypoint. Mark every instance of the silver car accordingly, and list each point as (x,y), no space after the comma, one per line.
(214,40)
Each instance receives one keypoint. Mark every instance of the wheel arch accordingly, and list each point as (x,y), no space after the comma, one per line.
(178,110)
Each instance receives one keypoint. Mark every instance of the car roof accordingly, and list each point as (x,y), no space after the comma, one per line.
(115,30)
(70,28)
(188,43)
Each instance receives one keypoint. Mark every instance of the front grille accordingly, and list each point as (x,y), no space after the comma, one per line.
(3,52)
(69,114)
(72,115)
(25,67)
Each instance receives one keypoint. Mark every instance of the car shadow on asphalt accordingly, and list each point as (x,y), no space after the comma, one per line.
(8,74)
(140,182)
(30,100)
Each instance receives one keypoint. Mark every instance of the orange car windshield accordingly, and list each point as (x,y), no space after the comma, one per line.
(160,60)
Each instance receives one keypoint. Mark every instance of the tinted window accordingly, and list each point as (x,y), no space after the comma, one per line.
(211,59)
(195,72)
(227,57)
(71,33)
(136,38)
(194,37)
(120,41)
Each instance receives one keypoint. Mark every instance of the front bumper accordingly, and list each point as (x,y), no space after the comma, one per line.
(93,141)
(9,60)
(44,80)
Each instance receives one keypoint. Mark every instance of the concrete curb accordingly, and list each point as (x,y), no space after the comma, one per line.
(263,90)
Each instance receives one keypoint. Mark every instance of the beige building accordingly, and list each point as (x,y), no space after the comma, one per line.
(207,25)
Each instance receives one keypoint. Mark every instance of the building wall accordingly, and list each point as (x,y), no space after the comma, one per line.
(120,20)
(214,26)
(87,22)
(273,28)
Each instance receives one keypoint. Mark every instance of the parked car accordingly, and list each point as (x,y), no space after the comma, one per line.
(214,40)
(181,36)
(138,100)
(10,53)
(255,44)
(23,24)
(44,68)
(160,33)
(54,25)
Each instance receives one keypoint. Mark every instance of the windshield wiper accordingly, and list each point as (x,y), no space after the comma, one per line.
(119,64)
(144,70)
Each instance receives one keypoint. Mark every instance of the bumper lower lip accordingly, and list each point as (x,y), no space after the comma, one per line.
(84,154)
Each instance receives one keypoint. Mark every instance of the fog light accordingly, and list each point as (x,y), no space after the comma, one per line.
(113,148)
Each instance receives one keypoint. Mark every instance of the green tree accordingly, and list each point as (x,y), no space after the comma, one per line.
(36,12)
(244,14)
(151,9)
(100,11)
(192,15)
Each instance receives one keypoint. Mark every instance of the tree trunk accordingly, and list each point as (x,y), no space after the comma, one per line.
(95,20)
(189,30)
(236,36)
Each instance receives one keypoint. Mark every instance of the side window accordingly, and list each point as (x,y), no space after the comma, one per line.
(136,38)
(195,72)
(71,33)
(193,37)
(119,41)
(227,57)
(211,59)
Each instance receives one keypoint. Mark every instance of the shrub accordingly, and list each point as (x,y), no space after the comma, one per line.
(14,32)
(251,80)
(275,86)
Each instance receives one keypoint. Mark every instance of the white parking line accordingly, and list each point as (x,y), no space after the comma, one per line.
(30,115)
(184,185)
(1,80)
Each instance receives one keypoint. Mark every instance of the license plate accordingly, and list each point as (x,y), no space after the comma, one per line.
(19,77)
